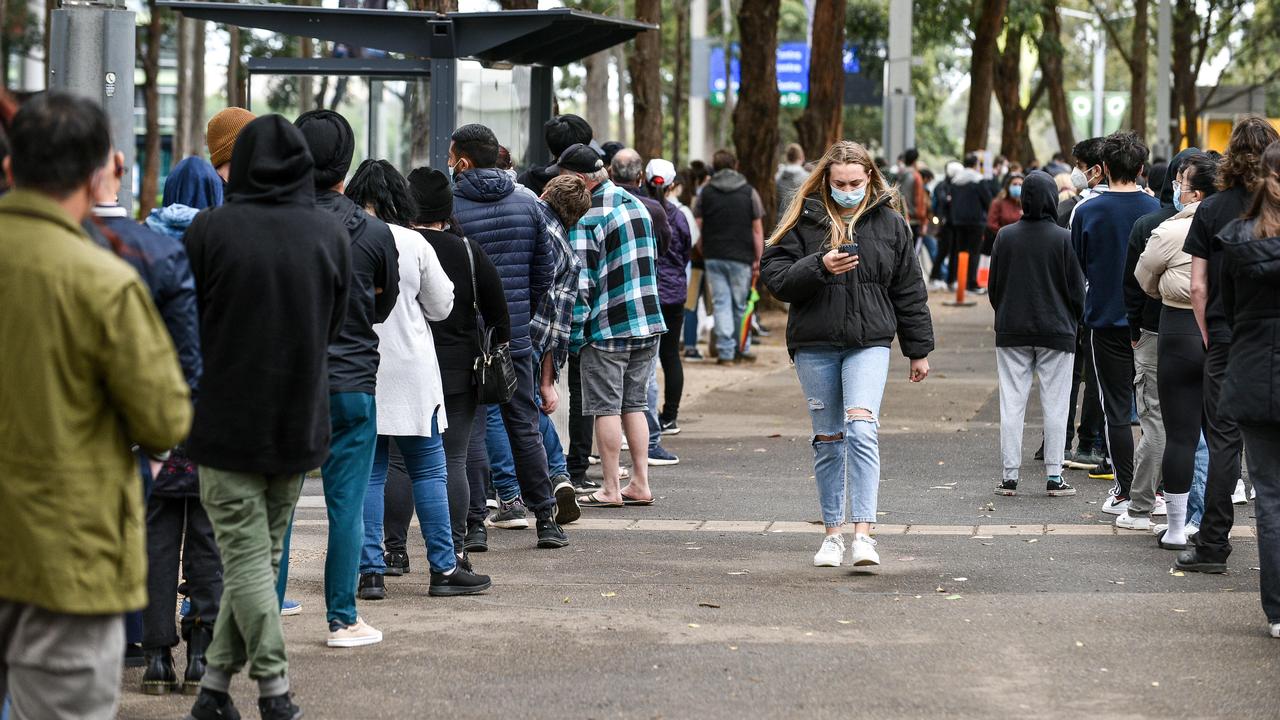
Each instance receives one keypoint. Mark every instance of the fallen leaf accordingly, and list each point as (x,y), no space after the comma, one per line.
(981,537)
(960,579)
(609,594)
(1032,540)
(709,605)
(694,548)
(740,572)
(1155,684)
(941,487)
(761,450)
(908,558)
(808,634)
(1179,610)
(940,589)
(1177,573)
(694,625)
(775,435)
(845,622)
(953,597)
(1079,644)
(733,647)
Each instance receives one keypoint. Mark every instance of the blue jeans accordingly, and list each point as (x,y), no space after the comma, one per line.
(502,464)
(655,427)
(837,383)
(354,432)
(730,283)
(1195,501)
(424,458)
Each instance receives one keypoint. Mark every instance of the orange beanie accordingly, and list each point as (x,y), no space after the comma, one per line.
(221,134)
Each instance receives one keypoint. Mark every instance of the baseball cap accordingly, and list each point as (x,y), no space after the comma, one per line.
(660,172)
(578,158)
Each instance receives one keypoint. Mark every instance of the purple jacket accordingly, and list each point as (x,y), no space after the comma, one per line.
(673,284)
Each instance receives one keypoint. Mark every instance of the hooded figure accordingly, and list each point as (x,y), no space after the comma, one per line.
(192,186)
(1143,310)
(272,275)
(1036,285)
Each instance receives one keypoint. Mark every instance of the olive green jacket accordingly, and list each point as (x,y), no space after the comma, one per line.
(86,369)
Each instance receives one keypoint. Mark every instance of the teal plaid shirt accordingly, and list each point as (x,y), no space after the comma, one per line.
(617,305)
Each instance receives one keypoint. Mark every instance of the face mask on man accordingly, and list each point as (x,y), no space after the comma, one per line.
(1177,197)
(848,198)
(1079,180)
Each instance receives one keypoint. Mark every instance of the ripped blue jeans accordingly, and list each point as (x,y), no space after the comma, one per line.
(844,387)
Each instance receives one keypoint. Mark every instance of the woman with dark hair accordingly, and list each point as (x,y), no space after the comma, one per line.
(410,394)
(1006,209)
(1250,395)
(844,258)
(1164,272)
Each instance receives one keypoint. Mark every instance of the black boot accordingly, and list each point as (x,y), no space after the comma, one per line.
(197,644)
(279,707)
(159,678)
(213,705)
(476,539)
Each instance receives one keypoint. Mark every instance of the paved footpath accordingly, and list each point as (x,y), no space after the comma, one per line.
(706,605)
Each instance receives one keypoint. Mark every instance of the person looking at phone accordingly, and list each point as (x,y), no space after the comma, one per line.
(843,256)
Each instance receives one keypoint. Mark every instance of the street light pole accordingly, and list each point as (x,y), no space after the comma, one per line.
(899,131)
(698,79)
(1164,39)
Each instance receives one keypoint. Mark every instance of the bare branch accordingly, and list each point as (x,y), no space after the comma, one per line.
(1112,33)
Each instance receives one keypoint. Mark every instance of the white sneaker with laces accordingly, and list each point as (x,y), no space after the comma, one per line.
(1275,630)
(831,554)
(864,551)
(1159,509)
(1129,522)
(1239,497)
(357,635)
(1113,506)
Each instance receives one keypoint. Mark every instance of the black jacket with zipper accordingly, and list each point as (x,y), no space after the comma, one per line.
(865,307)
(1251,302)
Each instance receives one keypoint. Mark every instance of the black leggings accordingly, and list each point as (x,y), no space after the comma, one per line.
(1180,354)
(672,366)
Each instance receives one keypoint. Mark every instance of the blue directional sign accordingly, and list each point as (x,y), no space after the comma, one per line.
(792,67)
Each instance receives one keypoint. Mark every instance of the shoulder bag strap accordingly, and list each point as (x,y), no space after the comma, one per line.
(475,297)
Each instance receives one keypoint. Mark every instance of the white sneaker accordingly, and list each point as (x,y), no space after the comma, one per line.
(1239,497)
(1253,492)
(1191,530)
(1275,630)
(1115,507)
(831,554)
(864,551)
(1129,522)
(357,635)
(938,286)
(1159,509)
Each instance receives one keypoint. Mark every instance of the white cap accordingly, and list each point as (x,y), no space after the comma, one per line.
(660,172)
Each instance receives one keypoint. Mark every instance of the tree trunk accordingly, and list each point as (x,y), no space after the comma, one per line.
(1138,68)
(820,125)
(620,64)
(597,93)
(644,66)
(1185,23)
(755,119)
(47,34)
(235,90)
(677,89)
(183,117)
(196,126)
(726,34)
(987,25)
(519,4)
(1015,132)
(1052,76)
(151,101)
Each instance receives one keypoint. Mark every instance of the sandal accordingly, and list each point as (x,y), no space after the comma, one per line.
(628,500)
(593,501)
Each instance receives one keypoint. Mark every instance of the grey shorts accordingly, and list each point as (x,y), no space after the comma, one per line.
(615,383)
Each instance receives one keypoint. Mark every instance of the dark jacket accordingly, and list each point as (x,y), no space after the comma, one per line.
(536,178)
(1204,241)
(657,215)
(272,275)
(1142,310)
(508,226)
(673,284)
(375,285)
(1100,235)
(866,307)
(969,198)
(728,206)
(1036,285)
(457,337)
(1251,302)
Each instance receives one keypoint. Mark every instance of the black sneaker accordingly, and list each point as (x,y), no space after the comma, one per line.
(1103,471)
(279,707)
(134,656)
(1007,487)
(213,705)
(371,587)
(1040,453)
(477,539)
(550,535)
(397,563)
(1055,487)
(1192,561)
(692,355)
(585,486)
(159,678)
(567,509)
(670,427)
(461,582)
(464,561)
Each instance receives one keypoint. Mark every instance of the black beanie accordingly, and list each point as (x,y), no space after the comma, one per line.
(332,144)
(432,193)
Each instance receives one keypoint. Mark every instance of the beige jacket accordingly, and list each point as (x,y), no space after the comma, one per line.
(1164,270)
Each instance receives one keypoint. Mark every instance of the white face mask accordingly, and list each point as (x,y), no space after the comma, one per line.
(1079,180)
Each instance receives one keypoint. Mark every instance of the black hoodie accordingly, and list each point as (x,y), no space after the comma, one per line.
(1251,303)
(1036,285)
(1143,310)
(272,274)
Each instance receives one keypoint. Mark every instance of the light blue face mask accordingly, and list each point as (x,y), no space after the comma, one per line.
(1015,191)
(848,198)
(1177,197)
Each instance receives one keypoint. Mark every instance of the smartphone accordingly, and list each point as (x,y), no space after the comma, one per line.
(849,248)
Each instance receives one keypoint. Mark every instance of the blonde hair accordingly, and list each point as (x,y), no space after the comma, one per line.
(844,152)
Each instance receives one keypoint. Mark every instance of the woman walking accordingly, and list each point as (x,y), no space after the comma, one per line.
(1164,272)
(1251,299)
(844,258)
(410,394)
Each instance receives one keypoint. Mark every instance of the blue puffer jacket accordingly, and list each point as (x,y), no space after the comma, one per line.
(508,226)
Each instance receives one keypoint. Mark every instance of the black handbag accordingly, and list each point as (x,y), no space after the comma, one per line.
(495,373)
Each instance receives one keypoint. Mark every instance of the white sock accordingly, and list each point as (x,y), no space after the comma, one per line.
(1175,505)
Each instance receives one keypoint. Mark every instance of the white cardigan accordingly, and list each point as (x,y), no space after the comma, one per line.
(409,389)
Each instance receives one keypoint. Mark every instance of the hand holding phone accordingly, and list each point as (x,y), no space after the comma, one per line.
(849,248)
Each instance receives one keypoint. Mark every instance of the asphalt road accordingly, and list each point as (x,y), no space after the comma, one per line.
(706,605)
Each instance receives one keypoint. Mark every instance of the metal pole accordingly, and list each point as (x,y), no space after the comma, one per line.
(444,112)
(541,89)
(375,119)
(1164,35)
(1099,75)
(698,79)
(91,54)
(898,132)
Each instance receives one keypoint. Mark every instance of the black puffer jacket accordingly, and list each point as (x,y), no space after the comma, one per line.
(1251,301)
(883,296)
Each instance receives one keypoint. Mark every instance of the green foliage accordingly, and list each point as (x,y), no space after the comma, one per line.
(21,28)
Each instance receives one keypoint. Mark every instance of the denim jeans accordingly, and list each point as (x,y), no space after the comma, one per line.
(838,382)
(353,419)
(424,458)
(502,465)
(651,415)
(1195,501)
(730,283)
